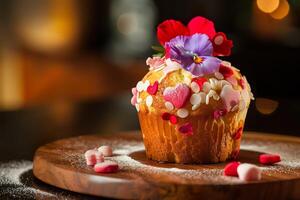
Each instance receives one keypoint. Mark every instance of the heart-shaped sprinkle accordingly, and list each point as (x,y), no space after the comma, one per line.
(219,113)
(186,129)
(182,113)
(231,169)
(230,97)
(152,89)
(225,71)
(269,159)
(165,116)
(106,167)
(173,119)
(177,95)
(238,134)
(200,81)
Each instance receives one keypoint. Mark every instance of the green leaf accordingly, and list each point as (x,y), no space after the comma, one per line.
(158,55)
(159,49)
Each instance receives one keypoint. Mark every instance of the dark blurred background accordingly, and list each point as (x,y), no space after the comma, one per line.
(67,66)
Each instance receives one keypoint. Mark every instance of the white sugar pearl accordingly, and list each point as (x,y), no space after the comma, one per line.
(149,100)
(249,172)
(146,85)
(195,99)
(195,107)
(203,97)
(206,87)
(139,100)
(140,86)
(219,40)
(182,113)
(169,106)
(137,107)
(195,87)
(106,150)
(219,76)
(187,80)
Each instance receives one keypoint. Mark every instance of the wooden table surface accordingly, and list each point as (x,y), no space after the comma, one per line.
(62,164)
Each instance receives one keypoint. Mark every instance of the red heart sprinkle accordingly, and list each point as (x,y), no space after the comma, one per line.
(173,119)
(269,159)
(238,134)
(231,169)
(225,71)
(165,116)
(152,89)
(186,129)
(199,81)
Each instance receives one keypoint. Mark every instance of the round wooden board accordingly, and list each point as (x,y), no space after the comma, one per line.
(62,164)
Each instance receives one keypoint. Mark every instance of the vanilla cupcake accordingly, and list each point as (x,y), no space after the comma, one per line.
(192,105)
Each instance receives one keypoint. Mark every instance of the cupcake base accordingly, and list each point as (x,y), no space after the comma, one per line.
(212,140)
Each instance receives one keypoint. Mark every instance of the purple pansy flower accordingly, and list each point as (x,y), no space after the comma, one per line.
(194,53)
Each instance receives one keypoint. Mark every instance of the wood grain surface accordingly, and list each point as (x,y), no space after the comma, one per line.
(62,164)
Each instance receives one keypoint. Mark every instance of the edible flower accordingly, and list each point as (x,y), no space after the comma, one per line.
(194,53)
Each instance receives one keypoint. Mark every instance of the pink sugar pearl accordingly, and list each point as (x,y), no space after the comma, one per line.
(249,172)
(106,150)
(90,157)
(106,167)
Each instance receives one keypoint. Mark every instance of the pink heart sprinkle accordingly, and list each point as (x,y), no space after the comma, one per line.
(219,113)
(152,89)
(178,95)
(186,129)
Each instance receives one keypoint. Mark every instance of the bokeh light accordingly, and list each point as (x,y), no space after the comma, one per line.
(267,6)
(282,11)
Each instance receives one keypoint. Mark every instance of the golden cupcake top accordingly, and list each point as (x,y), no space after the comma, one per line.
(187,76)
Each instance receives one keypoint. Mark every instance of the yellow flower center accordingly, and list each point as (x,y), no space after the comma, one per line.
(197,59)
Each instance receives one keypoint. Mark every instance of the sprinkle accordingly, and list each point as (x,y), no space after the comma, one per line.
(231,169)
(169,106)
(195,99)
(219,76)
(90,157)
(165,116)
(238,134)
(177,95)
(195,107)
(106,167)
(152,89)
(200,81)
(146,85)
(182,113)
(219,113)
(210,94)
(249,172)
(106,150)
(226,63)
(140,86)
(137,107)
(195,87)
(139,100)
(149,100)
(269,159)
(99,156)
(186,129)
(235,108)
(206,87)
(173,119)
(242,83)
(203,97)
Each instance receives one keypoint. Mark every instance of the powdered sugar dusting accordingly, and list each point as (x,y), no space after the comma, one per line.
(125,150)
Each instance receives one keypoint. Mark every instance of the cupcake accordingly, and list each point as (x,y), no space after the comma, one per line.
(191,104)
